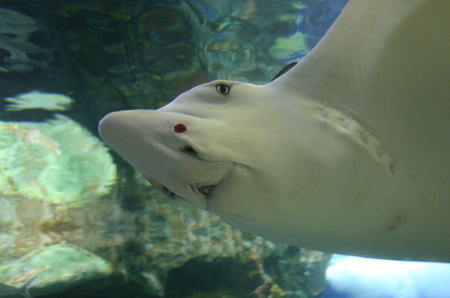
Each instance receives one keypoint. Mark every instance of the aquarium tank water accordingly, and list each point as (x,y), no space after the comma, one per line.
(77,221)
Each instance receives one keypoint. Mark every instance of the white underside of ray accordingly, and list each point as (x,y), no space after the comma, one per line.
(386,64)
(346,152)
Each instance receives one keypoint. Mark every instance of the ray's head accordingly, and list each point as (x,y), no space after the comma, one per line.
(200,147)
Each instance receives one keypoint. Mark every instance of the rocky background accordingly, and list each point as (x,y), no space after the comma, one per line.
(75,220)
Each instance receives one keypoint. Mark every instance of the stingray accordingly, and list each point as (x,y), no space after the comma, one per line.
(345,152)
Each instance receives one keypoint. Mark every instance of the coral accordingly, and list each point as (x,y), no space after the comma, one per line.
(38,100)
(54,268)
(267,282)
(18,52)
(57,161)
(277,292)
(56,181)
(289,48)
(241,41)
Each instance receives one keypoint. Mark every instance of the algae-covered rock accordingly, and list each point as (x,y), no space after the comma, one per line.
(56,184)
(249,41)
(56,161)
(38,100)
(23,54)
(54,268)
(289,48)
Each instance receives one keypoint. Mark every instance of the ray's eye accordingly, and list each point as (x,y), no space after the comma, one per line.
(223,89)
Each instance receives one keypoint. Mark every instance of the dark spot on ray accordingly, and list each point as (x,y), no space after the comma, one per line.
(180,127)
(400,219)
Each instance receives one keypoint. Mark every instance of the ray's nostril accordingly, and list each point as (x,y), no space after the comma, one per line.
(189,151)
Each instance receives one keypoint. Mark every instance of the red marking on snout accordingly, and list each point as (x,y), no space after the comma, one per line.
(180,127)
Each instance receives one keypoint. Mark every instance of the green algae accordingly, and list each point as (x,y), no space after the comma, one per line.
(57,161)
(54,268)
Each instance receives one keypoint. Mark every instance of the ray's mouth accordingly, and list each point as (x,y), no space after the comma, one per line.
(201,190)
(197,194)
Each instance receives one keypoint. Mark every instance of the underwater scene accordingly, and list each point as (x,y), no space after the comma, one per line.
(78,221)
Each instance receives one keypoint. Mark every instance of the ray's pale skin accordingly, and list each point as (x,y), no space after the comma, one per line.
(346,152)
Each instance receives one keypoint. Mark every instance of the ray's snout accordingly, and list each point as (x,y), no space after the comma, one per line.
(130,134)
(111,123)
(123,128)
